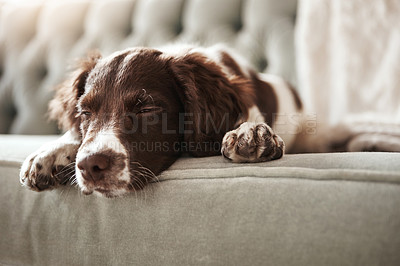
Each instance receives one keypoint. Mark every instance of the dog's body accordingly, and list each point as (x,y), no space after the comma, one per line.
(129,116)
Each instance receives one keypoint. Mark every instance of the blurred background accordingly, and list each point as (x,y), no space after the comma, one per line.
(342,56)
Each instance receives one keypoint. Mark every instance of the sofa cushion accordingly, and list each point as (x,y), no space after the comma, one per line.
(305,209)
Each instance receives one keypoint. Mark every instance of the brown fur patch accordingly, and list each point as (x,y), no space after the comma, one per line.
(229,62)
(63,107)
(266,101)
(297,100)
(213,101)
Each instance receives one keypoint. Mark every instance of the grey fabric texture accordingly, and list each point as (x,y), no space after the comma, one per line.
(308,209)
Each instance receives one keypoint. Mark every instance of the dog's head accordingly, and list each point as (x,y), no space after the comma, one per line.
(138,109)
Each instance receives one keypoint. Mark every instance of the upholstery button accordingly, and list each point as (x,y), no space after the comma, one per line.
(238,25)
(128,30)
(42,72)
(178,28)
(262,64)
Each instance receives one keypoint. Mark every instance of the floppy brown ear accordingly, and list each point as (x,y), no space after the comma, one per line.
(63,106)
(213,102)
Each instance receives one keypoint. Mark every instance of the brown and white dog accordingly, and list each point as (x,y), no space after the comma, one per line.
(130,115)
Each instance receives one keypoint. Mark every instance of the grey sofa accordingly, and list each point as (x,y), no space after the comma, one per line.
(304,209)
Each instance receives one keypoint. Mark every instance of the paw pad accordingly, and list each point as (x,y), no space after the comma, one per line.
(252,142)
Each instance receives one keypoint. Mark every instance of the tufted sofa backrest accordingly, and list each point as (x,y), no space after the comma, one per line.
(40,41)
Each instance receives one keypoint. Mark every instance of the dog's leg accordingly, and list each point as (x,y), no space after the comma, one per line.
(52,164)
(252,142)
(357,136)
(349,137)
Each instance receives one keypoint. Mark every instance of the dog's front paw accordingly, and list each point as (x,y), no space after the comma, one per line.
(252,142)
(49,166)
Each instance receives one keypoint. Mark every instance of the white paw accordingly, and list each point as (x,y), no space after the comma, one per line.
(252,142)
(51,165)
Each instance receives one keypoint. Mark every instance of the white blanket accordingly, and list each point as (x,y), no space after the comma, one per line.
(349,59)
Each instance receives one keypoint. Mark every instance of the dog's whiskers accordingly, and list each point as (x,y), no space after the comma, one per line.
(145,172)
(73,180)
(65,168)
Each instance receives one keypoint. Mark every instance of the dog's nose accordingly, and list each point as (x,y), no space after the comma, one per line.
(94,166)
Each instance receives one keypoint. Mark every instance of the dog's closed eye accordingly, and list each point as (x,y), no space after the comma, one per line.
(149,110)
(85,114)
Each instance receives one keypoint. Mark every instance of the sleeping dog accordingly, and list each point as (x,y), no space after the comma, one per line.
(130,115)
